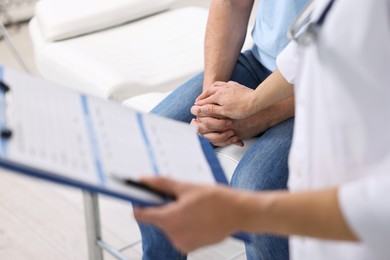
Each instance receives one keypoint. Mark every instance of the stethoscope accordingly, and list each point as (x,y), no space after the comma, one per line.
(304,32)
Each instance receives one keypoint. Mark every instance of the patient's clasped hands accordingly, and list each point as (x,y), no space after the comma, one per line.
(226,115)
(225,99)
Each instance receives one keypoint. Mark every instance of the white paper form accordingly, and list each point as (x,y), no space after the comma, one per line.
(118,137)
(92,139)
(178,156)
(135,145)
(48,128)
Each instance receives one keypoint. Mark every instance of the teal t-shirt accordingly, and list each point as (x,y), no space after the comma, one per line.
(274,19)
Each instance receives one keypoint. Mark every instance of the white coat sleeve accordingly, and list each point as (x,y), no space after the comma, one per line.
(288,62)
(366,207)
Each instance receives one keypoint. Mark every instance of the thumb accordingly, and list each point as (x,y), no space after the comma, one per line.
(152,215)
(158,215)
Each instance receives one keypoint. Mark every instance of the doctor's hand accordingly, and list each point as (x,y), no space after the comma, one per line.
(229,99)
(197,217)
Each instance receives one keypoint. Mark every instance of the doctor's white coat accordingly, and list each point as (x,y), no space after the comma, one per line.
(342,125)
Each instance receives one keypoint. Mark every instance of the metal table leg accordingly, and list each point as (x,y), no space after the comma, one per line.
(92,222)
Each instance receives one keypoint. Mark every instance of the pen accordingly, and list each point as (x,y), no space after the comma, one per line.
(4,87)
(6,133)
(142,186)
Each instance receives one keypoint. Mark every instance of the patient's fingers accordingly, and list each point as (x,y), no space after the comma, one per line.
(211,90)
(208,111)
(223,139)
(209,124)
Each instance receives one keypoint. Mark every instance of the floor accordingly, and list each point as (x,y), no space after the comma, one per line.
(40,220)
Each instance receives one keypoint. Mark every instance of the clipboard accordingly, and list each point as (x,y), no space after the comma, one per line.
(59,135)
(18,99)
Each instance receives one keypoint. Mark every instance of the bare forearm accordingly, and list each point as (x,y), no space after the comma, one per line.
(261,121)
(225,35)
(271,91)
(314,214)
(277,113)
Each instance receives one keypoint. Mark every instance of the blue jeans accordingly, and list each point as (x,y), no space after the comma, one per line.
(263,166)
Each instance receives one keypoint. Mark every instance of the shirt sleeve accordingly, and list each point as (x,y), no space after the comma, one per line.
(366,207)
(287,62)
